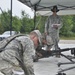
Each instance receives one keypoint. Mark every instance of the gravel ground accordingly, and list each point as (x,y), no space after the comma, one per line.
(48,66)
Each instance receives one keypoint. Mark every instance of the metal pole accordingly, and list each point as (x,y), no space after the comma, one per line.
(34,16)
(11,19)
(34,19)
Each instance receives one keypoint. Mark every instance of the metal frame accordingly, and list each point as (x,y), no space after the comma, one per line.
(70,58)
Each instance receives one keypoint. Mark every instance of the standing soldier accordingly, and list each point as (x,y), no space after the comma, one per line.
(53,26)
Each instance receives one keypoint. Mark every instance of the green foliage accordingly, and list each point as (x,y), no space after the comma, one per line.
(73,19)
(5,20)
(25,24)
(66,30)
(40,23)
(16,24)
(1,28)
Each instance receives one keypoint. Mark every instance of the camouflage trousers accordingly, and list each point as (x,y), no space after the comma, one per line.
(9,72)
(7,69)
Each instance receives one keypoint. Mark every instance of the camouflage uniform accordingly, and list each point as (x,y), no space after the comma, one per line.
(52,32)
(43,50)
(7,57)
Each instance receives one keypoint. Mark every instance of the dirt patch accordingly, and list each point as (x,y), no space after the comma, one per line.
(67,41)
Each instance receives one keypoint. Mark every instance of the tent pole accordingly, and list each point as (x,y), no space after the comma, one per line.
(11,19)
(34,16)
(34,19)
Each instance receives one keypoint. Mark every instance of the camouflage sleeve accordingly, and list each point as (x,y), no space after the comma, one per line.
(9,53)
(29,52)
(60,22)
(46,25)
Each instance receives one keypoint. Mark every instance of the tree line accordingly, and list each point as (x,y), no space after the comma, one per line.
(25,23)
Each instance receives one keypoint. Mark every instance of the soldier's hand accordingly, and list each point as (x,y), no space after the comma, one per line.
(46,33)
(55,26)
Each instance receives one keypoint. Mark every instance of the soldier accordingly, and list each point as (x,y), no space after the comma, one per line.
(18,54)
(47,41)
(53,26)
(44,50)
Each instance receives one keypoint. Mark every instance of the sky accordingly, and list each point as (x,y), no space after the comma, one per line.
(17,7)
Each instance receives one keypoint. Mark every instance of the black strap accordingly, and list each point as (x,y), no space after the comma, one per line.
(21,59)
(9,39)
(20,51)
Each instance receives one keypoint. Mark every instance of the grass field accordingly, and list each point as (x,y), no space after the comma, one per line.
(67,38)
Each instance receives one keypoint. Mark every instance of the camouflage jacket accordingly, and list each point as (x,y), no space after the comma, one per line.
(11,51)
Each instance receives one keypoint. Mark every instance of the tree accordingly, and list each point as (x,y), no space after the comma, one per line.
(40,22)
(66,30)
(73,19)
(5,20)
(16,24)
(27,23)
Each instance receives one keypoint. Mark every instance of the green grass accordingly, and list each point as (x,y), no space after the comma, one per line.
(67,38)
